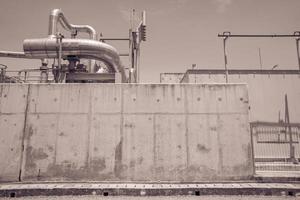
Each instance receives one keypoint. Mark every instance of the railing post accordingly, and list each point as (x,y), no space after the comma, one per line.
(289,129)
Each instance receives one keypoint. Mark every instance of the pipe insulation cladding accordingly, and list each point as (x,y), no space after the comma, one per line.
(57,15)
(81,48)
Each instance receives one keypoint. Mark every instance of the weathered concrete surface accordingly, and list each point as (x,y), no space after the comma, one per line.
(13,101)
(127,132)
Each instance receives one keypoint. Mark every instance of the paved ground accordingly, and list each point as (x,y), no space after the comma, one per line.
(159,197)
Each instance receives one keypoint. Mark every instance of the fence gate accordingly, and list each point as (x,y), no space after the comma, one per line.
(276,146)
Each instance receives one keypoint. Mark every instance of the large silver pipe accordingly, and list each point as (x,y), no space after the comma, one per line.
(81,48)
(13,54)
(58,16)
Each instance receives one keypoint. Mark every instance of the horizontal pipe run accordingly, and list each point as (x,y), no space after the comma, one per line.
(14,54)
(81,48)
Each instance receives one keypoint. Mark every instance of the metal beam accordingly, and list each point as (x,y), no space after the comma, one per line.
(243,71)
(124,54)
(273,124)
(256,35)
(225,35)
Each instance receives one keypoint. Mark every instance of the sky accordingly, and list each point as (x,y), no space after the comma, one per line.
(179,32)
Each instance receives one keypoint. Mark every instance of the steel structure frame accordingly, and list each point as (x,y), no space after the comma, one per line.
(228,34)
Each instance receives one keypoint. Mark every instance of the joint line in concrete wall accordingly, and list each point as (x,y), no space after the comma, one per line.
(186,128)
(252,148)
(23,133)
(119,147)
(220,145)
(58,117)
(89,118)
(154,144)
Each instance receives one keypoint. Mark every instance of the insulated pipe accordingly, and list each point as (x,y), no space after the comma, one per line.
(58,16)
(13,54)
(81,48)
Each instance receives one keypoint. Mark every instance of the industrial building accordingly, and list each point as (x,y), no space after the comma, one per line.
(95,124)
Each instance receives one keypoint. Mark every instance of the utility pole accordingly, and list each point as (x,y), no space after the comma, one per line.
(225,37)
(136,36)
(297,46)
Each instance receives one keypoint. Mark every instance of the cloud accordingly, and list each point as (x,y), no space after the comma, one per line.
(222,5)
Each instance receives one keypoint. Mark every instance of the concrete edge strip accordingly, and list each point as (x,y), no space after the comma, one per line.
(52,189)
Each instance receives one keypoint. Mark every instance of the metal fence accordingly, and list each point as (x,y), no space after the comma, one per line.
(26,76)
(276,146)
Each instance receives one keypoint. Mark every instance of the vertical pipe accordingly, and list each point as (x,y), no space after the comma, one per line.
(59,39)
(137,63)
(130,54)
(134,56)
(25,76)
(144,17)
(225,58)
(59,56)
(2,73)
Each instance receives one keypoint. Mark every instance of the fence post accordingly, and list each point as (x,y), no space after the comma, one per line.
(289,129)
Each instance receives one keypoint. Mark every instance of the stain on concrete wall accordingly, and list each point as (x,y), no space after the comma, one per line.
(13,102)
(128,132)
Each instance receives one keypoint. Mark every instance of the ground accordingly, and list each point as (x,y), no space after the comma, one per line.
(160,197)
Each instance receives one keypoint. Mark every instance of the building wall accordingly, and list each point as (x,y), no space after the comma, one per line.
(266,93)
(171,77)
(124,132)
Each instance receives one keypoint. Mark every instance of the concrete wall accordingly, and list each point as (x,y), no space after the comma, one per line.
(123,132)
